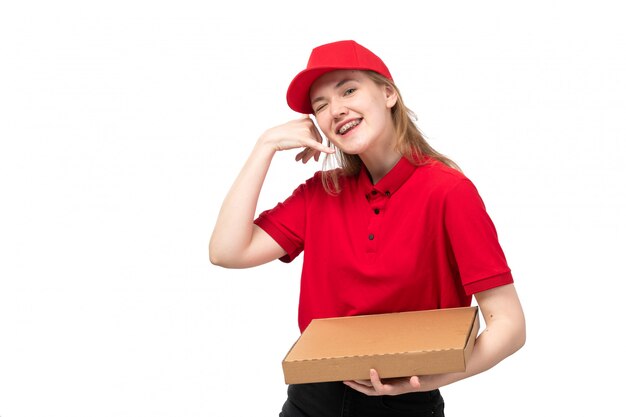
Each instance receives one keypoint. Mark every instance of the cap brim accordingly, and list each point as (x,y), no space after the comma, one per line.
(298,92)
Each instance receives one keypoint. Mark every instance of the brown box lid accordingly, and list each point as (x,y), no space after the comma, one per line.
(395,344)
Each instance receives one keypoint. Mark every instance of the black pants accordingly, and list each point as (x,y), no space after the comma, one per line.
(334,399)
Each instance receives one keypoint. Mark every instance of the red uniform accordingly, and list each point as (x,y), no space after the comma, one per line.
(418,239)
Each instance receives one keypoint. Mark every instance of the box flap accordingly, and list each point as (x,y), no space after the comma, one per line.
(385,334)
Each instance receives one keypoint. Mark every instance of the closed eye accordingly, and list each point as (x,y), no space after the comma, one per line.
(320,108)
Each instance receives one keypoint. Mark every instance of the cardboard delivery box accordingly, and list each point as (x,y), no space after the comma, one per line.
(395,344)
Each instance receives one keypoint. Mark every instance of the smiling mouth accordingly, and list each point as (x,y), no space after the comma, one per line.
(349,126)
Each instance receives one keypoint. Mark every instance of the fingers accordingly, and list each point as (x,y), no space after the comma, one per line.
(379,387)
(319,146)
(365,382)
(307,154)
(375,385)
(300,133)
(314,148)
(367,390)
(316,145)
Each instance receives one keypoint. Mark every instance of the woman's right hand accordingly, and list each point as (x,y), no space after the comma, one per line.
(298,133)
(236,241)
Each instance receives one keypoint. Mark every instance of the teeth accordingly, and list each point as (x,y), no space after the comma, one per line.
(347,126)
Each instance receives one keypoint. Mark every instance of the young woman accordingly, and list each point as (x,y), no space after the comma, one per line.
(396,227)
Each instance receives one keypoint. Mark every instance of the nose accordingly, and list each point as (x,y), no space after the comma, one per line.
(337,109)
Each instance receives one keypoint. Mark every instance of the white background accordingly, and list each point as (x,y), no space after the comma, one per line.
(123,124)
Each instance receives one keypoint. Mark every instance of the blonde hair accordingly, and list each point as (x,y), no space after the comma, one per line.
(410,142)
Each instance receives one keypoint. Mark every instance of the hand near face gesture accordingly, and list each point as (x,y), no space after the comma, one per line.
(298,133)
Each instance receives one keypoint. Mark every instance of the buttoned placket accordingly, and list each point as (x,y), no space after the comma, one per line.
(377,201)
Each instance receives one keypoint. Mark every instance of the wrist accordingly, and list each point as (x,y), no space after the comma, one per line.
(265,145)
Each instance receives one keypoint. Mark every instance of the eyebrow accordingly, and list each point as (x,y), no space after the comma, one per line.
(339,84)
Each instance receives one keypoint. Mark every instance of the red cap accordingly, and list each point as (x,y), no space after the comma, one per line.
(326,58)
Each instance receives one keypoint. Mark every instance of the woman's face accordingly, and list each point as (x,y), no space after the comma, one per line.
(354,112)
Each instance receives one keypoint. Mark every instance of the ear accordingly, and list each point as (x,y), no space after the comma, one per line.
(391,96)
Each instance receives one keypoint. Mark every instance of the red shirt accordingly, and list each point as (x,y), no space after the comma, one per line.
(419,239)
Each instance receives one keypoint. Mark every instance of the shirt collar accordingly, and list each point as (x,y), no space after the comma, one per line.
(391,182)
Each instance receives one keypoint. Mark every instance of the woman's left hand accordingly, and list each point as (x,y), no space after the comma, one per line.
(393,386)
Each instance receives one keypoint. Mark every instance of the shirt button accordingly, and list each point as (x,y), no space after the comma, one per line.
(387,193)
(376,211)
(371,237)
(374,192)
